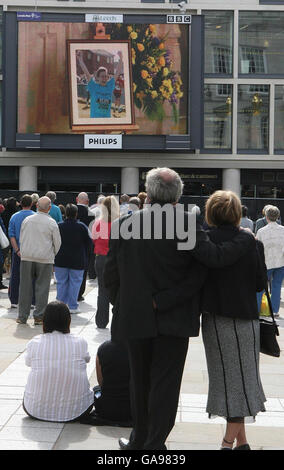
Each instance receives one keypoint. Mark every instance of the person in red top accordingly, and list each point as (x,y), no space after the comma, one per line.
(101,234)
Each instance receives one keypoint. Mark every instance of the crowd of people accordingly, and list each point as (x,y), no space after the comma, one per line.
(158,293)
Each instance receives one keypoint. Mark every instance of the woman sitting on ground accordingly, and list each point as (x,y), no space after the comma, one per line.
(112,395)
(58,388)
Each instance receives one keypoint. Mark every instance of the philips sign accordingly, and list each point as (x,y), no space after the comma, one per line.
(103,141)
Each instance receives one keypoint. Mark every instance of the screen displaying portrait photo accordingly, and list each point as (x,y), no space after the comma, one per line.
(136,76)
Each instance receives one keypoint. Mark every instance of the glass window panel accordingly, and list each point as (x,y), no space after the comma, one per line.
(253,118)
(218,116)
(0,113)
(279,118)
(218,41)
(1,20)
(261,36)
(248,190)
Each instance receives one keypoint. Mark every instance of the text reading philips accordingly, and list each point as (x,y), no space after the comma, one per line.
(103,141)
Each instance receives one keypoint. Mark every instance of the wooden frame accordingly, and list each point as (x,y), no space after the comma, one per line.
(100,86)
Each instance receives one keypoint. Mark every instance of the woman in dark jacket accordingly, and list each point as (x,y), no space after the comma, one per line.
(72,258)
(230,326)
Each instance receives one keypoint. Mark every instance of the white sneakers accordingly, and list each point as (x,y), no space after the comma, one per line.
(75,310)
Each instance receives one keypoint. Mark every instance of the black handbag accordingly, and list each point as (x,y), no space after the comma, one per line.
(268,333)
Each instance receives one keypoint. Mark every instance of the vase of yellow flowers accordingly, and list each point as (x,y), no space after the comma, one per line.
(154,80)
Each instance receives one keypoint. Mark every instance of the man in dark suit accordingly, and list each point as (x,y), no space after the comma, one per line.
(154,284)
(85,216)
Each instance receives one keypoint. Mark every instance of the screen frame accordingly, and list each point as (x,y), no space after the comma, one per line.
(182,143)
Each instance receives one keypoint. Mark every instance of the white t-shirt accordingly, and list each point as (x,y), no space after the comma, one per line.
(272,237)
(58,388)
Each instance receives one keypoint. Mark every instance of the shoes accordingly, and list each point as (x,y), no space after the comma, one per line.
(124,444)
(3,287)
(21,322)
(14,305)
(243,447)
(81,299)
(75,310)
(38,321)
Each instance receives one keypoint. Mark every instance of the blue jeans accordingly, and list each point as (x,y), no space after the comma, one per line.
(276,276)
(68,285)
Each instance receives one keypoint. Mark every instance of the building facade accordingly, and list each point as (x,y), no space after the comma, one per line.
(242,144)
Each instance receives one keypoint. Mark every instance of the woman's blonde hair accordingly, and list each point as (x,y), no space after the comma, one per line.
(109,209)
(223,208)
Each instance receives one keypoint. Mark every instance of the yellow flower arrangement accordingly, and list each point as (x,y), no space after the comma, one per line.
(154,78)
(133,35)
(144,74)
(133,56)
(149,82)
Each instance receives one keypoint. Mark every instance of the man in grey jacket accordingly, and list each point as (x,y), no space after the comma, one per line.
(40,241)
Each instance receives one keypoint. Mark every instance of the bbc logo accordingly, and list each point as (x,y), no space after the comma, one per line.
(185,19)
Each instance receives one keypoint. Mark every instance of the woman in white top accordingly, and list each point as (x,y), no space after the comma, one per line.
(58,388)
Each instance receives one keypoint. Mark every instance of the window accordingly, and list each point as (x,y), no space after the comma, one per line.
(259,89)
(252,60)
(1,19)
(222,60)
(279,118)
(0,113)
(261,38)
(217,116)
(218,42)
(253,119)
(224,89)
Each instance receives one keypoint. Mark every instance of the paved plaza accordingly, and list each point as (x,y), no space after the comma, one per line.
(193,430)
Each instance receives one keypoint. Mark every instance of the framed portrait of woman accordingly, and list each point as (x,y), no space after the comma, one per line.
(100,84)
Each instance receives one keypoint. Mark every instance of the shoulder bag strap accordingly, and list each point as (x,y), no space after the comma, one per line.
(270,305)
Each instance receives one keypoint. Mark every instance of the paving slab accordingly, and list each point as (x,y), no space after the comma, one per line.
(193,429)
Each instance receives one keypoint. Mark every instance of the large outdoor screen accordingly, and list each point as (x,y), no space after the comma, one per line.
(81,77)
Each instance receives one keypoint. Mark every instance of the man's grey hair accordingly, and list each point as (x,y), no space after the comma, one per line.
(35,197)
(51,195)
(83,198)
(163,185)
(272,213)
(124,198)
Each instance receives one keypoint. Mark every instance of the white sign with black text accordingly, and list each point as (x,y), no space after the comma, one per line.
(184,19)
(103,18)
(102,141)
